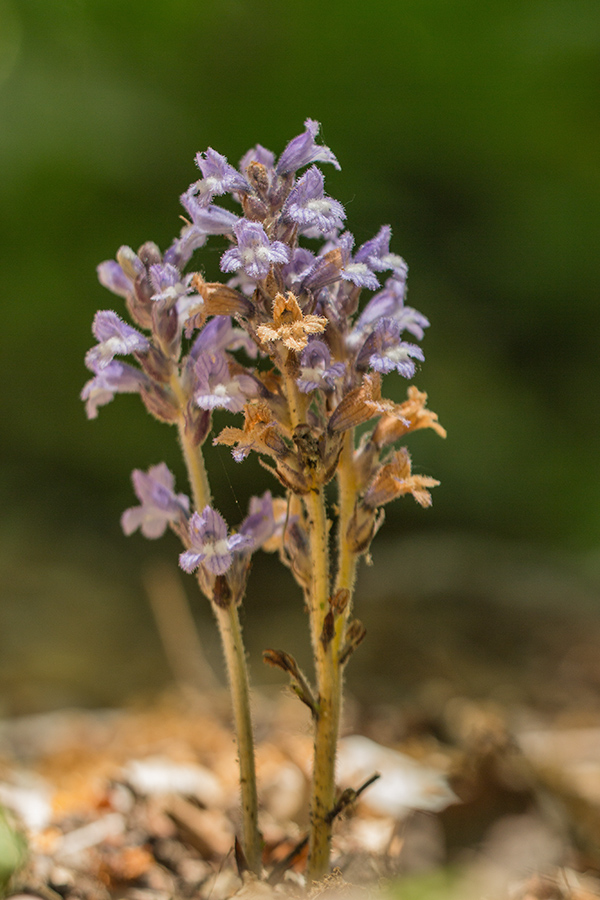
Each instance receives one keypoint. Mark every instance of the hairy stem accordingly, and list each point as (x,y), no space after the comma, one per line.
(237,671)
(235,658)
(329,694)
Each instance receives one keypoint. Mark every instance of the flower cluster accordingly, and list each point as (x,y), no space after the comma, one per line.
(286,341)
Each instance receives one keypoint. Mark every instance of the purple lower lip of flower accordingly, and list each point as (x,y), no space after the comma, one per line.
(384,351)
(115,378)
(303,150)
(376,254)
(115,337)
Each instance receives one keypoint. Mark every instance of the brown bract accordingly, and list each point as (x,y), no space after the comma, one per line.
(289,325)
(395,479)
(361,404)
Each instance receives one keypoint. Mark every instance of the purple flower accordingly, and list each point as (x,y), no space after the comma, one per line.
(389,303)
(219,334)
(112,276)
(209,219)
(260,155)
(259,525)
(169,284)
(308,206)
(219,177)
(384,351)
(358,273)
(210,543)
(254,252)
(115,378)
(216,388)
(181,250)
(316,368)
(376,254)
(159,503)
(115,337)
(302,150)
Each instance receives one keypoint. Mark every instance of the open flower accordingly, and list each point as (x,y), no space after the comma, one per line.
(289,325)
(308,206)
(376,254)
(316,368)
(159,503)
(115,337)
(217,388)
(114,378)
(255,254)
(219,177)
(303,150)
(384,351)
(210,543)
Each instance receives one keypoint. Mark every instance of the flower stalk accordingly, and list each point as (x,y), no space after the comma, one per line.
(196,345)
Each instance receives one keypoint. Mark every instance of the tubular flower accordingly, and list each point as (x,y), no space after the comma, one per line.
(159,503)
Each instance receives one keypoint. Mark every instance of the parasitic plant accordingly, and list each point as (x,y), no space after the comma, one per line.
(284,342)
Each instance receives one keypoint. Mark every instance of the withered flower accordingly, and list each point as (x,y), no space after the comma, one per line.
(396,479)
(259,433)
(409,416)
(289,325)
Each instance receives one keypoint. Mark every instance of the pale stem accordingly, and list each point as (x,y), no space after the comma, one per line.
(237,671)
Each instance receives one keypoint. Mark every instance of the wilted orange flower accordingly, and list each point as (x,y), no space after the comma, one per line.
(289,325)
(395,479)
(408,416)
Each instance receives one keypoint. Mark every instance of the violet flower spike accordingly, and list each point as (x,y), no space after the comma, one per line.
(216,388)
(308,206)
(254,252)
(159,503)
(115,338)
(316,368)
(115,378)
(210,543)
(383,351)
(303,150)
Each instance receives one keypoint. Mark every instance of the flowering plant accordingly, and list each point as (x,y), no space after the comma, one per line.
(297,311)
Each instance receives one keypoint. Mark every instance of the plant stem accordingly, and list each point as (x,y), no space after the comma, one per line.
(237,671)
(329,694)
(233,649)
(346,478)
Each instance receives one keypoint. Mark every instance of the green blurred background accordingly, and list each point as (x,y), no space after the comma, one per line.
(472,128)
